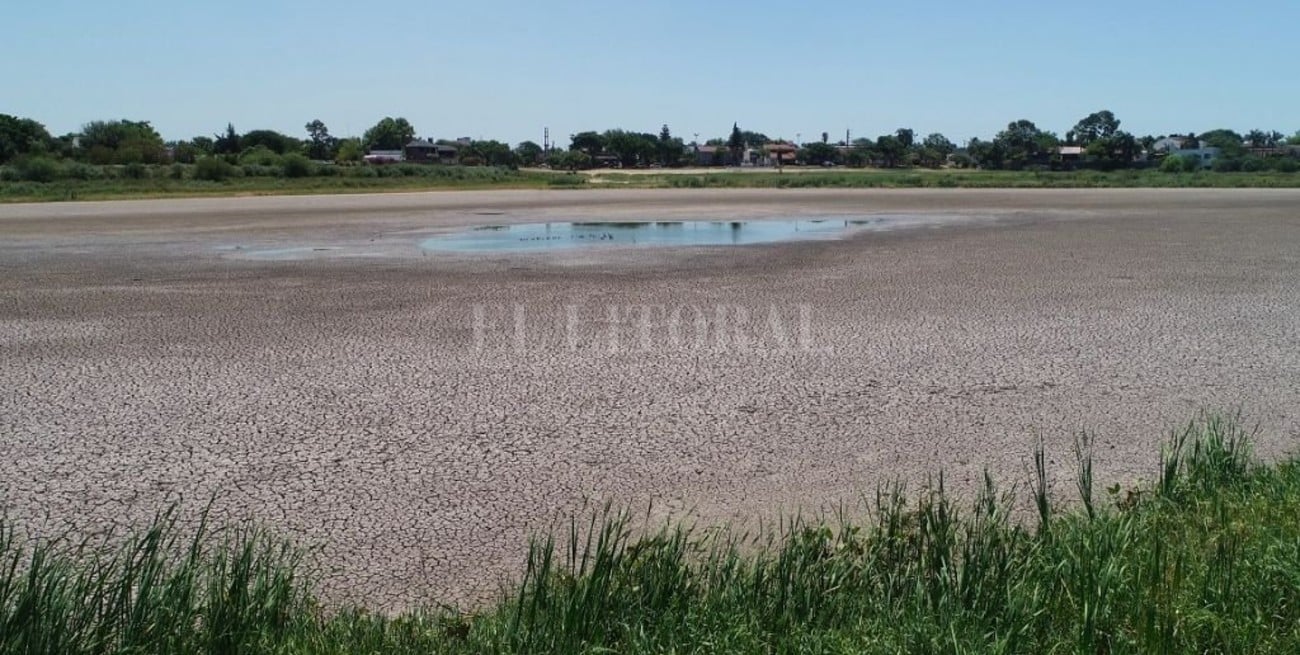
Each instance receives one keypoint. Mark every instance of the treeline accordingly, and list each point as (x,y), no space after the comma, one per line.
(132,149)
(128,149)
(1095,142)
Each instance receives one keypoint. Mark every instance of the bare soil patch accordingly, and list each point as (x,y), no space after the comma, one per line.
(378,400)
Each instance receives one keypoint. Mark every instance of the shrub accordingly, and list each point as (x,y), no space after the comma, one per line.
(259,170)
(177,172)
(80,171)
(1252,164)
(259,156)
(295,165)
(1227,165)
(1284,164)
(1177,164)
(135,171)
(9,174)
(37,169)
(213,169)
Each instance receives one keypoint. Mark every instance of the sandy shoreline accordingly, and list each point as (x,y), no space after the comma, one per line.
(384,403)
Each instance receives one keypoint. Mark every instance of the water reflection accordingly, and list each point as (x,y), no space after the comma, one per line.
(541,236)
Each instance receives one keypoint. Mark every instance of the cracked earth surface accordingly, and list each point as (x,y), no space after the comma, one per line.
(417,415)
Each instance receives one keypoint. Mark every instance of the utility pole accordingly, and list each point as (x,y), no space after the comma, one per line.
(546,139)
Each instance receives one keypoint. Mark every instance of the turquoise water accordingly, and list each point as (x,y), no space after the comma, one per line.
(558,235)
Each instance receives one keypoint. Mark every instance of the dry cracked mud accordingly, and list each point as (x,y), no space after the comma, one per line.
(418,414)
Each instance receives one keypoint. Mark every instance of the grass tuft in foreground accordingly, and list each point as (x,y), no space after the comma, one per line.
(1206,560)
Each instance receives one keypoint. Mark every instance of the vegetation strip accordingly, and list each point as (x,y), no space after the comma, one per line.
(1207,559)
(130,159)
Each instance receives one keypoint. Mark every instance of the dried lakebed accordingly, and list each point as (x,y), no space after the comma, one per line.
(417,413)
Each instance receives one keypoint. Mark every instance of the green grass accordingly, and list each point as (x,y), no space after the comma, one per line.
(1206,559)
(109,183)
(951,178)
(84,182)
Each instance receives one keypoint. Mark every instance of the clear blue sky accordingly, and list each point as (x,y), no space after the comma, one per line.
(506,68)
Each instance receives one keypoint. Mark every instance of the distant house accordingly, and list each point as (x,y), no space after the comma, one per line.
(1275,151)
(1168,144)
(384,157)
(712,155)
(1071,155)
(424,151)
(778,154)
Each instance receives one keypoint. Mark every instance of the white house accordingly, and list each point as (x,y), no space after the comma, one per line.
(1168,144)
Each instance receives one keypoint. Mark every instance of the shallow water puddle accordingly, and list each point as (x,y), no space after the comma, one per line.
(545,236)
(262,252)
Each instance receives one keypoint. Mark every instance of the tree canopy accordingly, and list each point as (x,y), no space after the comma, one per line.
(591,143)
(1023,144)
(271,140)
(320,145)
(122,142)
(21,136)
(530,154)
(736,144)
(1097,125)
(388,134)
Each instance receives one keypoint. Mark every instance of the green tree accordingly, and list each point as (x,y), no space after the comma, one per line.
(22,136)
(489,153)
(591,143)
(670,149)
(1117,150)
(205,145)
(1023,144)
(1097,125)
(184,152)
(529,153)
(754,139)
(320,145)
(349,151)
(986,154)
(228,143)
(935,150)
(905,136)
(388,134)
(122,142)
(1265,139)
(271,140)
(891,150)
(820,153)
(569,160)
(1294,139)
(736,143)
(631,148)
